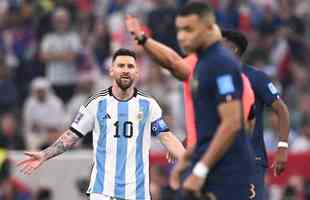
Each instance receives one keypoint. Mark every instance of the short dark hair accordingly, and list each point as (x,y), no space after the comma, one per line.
(196,8)
(237,38)
(124,52)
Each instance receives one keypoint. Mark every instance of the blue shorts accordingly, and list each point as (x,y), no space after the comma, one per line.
(222,192)
(259,182)
(223,188)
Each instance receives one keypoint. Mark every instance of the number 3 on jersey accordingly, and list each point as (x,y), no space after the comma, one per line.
(252,191)
(127,129)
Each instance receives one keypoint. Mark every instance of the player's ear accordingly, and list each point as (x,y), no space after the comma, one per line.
(236,50)
(111,70)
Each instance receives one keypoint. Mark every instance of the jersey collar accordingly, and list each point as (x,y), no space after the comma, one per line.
(134,94)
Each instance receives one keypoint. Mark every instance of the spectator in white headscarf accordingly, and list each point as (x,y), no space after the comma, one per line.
(43,113)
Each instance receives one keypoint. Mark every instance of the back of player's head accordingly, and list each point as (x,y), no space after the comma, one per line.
(237,38)
(123,52)
(203,10)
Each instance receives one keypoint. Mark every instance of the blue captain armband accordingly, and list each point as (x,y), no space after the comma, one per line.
(158,126)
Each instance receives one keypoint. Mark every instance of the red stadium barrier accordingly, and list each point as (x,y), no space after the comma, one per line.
(298,164)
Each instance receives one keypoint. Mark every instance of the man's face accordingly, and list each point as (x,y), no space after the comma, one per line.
(124,71)
(191,30)
(41,94)
(61,21)
(230,45)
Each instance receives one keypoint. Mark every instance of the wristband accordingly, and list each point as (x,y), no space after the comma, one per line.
(141,39)
(201,170)
(283,144)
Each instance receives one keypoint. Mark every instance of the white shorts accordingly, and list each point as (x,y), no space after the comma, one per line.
(96,196)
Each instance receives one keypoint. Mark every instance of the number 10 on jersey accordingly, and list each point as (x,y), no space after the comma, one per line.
(127,129)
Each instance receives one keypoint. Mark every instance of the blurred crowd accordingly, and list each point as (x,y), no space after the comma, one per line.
(55,53)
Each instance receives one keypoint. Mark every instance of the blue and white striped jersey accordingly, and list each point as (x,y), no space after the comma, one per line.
(121,139)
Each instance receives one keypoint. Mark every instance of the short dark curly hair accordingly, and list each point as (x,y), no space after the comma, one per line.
(237,38)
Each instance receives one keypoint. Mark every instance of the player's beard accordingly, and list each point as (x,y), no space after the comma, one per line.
(124,84)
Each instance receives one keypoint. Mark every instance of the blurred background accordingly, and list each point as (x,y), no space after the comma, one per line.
(55,53)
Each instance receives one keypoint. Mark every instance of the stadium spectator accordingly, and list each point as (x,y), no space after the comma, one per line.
(8,97)
(302,143)
(59,50)
(84,90)
(10,133)
(42,102)
(10,187)
(100,44)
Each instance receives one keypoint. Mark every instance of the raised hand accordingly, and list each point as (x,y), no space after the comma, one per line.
(134,26)
(34,161)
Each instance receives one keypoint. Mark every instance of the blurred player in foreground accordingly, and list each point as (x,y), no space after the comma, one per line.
(222,153)
(266,94)
(122,119)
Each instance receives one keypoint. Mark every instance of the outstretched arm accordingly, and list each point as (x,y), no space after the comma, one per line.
(160,53)
(62,144)
(36,159)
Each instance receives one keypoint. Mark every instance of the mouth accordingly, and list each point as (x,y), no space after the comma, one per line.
(125,77)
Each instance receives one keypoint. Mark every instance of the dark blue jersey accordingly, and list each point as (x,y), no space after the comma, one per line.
(217,79)
(265,94)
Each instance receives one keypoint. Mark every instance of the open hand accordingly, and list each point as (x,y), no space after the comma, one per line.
(280,160)
(134,26)
(34,160)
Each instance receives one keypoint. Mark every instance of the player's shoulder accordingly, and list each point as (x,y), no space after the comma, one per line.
(255,73)
(143,95)
(96,96)
(224,60)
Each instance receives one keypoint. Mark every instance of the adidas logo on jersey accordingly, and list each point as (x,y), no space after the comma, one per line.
(107,116)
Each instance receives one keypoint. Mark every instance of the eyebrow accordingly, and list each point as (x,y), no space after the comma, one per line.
(122,64)
(186,28)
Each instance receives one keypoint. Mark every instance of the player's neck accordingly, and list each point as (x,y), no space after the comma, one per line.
(122,95)
(213,37)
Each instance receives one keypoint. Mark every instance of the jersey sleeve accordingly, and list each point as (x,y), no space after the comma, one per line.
(265,89)
(158,124)
(228,86)
(83,122)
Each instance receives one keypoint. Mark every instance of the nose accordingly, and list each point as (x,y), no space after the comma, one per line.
(125,69)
